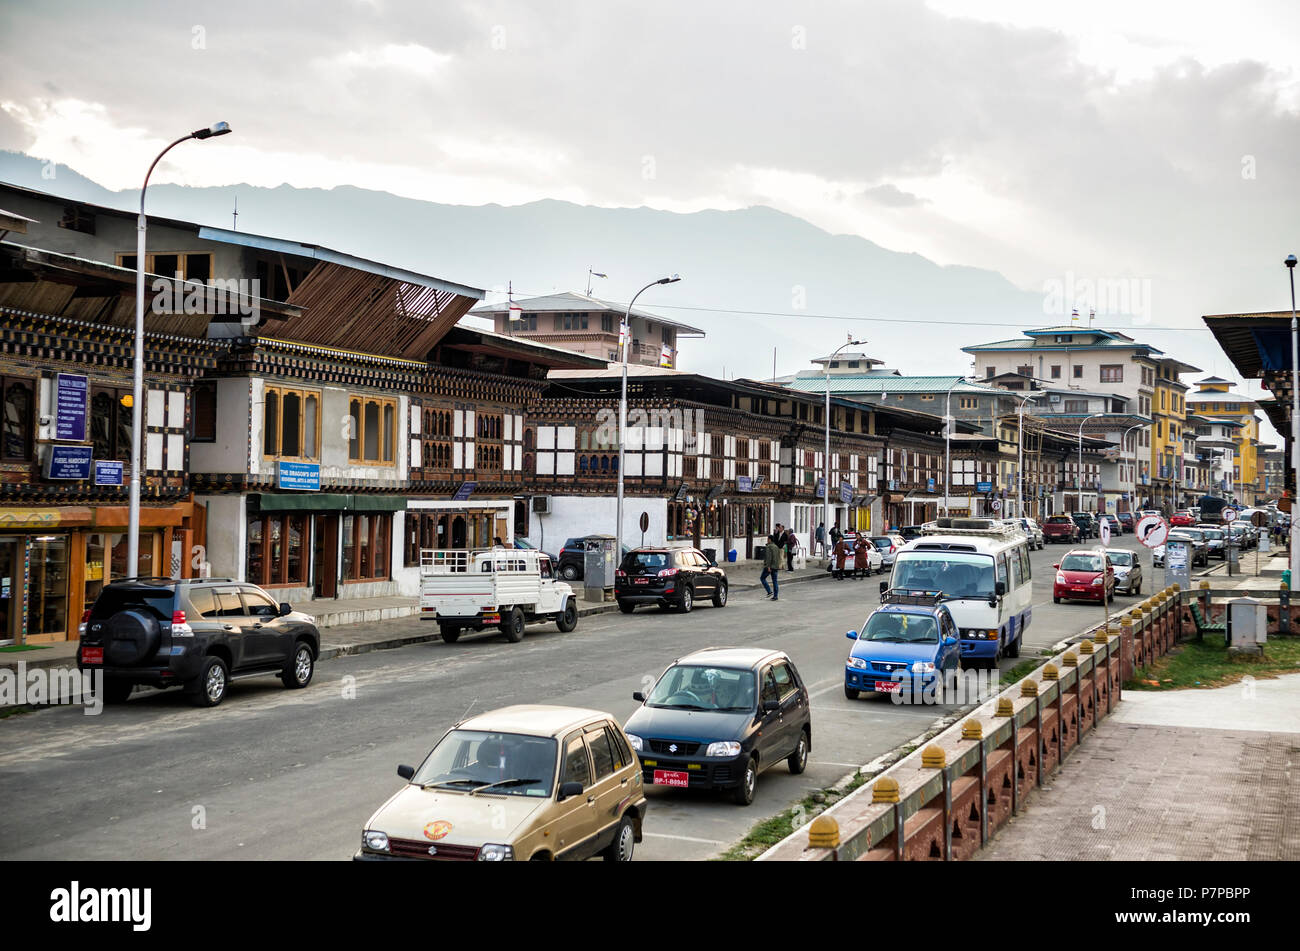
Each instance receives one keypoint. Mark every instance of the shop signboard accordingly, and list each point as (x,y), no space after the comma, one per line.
(70,407)
(69,462)
(464,492)
(846,493)
(744,484)
(298,476)
(983,486)
(108,473)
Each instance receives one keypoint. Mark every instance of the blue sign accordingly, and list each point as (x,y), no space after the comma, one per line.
(69,462)
(464,492)
(846,493)
(302,476)
(983,486)
(70,407)
(108,473)
(744,484)
(929,485)
(821,488)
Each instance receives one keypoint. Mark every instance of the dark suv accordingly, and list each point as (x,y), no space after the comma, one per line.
(668,577)
(197,634)
(1087,523)
(572,563)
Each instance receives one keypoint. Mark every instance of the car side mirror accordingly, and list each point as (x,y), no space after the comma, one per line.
(1000,588)
(406,772)
(285,608)
(852,635)
(639,697)
(884,586)
(568,790)
(771,706)
(949,641)
(1057,567)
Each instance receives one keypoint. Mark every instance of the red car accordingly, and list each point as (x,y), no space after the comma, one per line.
(1084,575)
(1060,528)
(1181,520)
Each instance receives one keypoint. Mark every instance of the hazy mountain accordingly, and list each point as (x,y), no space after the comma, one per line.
(753,259)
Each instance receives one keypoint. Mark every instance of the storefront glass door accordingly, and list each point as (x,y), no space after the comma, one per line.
(11,589)
(48,595)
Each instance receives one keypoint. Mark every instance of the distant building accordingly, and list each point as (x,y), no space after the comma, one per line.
(1213,399)
(587,325)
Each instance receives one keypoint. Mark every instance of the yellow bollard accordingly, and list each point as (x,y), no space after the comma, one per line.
(885,790)
(972,730)
(933,757)
(824,833)
(1029,688)
(1050,672)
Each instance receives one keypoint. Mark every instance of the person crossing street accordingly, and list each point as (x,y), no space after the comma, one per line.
(773,559)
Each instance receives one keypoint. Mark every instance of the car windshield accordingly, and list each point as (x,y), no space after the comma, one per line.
(1120,557)
(1194,535)
(898,628)
(646,562)
(883,542)
(1081,563)
(1213,534)
(957,575)
(512,764)
(694,687)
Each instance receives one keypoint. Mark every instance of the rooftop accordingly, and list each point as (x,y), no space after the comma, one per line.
(573,302)
(889,383)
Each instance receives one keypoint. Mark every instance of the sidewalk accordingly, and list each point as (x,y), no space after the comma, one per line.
(1202,775)
(360,625)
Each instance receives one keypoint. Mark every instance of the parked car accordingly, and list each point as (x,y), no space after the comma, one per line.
(1215,540)
(1061,528)
(668,577)
(195,633)
(718,717)
(1084,575)
(1158,556)
(1126,521)
(1113,521)
(1200,547)
(573,556)
(875,561)
(523,783)
(1087,523)
(905,648)
(1244,534)
(1183,519)
(502,588)
(888,546)
(1033,530)
(909,532)
(1128,570)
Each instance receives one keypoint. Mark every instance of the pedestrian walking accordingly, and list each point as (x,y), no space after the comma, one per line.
(791,543)
(861,564)
(773,557)
(821,540)
(841,555)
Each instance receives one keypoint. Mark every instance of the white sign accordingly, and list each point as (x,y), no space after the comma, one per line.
(1105,531)
(1229,515)
(996,505)
(1151,530)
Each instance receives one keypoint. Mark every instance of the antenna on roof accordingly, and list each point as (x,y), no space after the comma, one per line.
(1092,313)
(234,216)
(590,275)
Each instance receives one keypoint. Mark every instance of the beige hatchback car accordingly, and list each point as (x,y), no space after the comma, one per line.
(523,783)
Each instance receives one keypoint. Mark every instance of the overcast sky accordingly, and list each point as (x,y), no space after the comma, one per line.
(1150,142)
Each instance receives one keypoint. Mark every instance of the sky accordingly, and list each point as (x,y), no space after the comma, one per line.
(1145,145)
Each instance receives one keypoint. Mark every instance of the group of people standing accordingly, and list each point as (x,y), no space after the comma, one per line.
(778,554)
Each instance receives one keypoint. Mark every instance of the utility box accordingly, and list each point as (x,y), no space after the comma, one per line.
(1247,626)
(598,569)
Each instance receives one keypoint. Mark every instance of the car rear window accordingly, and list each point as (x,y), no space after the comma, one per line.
(1057,519)
(643,562)
(112,600)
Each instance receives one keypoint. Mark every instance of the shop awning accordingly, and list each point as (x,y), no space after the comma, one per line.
(326,502)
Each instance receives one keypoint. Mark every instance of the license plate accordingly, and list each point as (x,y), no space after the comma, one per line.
(888,686)
(1079,589)
(642,581)
(671,777)
(92,655)
(492,618)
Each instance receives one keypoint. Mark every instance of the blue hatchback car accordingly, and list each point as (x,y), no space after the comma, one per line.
(908,644)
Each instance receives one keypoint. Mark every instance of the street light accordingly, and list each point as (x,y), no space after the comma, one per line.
(1020,454)
(826,460)
(137,390)
(625,334)
(1133,497)
(947,441)
(1080,472)
(1295,424)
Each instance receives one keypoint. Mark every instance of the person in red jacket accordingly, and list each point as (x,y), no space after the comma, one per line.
(861,565)
(841,555)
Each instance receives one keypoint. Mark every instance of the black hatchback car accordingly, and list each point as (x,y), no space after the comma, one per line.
(718,717)
(668,577)
(196,633)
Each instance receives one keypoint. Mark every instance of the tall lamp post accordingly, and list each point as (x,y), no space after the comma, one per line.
(947,440)
(1020,454)
(1295,424)
(137,390)
(1079,475)
(625,334)
(1133,497)
(826,459)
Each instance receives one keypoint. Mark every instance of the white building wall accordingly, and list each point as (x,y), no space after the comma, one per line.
(227,535)
(575,515)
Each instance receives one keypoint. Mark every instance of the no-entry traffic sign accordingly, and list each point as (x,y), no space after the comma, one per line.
(1151,530)
(1105,532)
(1229,516)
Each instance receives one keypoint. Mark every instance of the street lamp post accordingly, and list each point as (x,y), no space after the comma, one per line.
(1295,425)
(1133,497)
(1020,454)
(625,333)
(137,389)
(826,459)
(1079,475)
(947,441)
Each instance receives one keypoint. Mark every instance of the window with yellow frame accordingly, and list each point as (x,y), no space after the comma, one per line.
(291,423)
(373,430)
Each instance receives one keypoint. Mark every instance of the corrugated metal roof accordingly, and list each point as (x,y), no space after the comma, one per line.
(571,301)
(854,383)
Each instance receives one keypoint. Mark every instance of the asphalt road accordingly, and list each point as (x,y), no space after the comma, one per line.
(279,774)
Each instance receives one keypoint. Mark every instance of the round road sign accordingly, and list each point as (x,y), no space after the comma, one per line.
(1104,534)
(1151,530)
(1229,515)
(996,505)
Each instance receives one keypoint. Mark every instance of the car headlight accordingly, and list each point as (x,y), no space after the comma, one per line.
(858,662)
(1097,580)
(1060,578)
(496,853)
(723,748)
(634,741)
(375,841)
(922,667)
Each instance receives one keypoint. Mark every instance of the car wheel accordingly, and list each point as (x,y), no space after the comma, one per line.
(209,687)
(620,850)
(512,626)
(720,596)
(568,619)
(798,760)
(744,793)
(1014,651)
(450,633)
(627,607)
(298,674)
(117,691)
(850,693)
(1137,589)
(688,600)
(568,572)
(1055,599)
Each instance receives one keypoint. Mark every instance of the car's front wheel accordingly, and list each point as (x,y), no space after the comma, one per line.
(299,673)
(620,850)
(744,793)
(568,618)
(851,693)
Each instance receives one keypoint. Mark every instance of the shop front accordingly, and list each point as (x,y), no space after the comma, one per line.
(54,562)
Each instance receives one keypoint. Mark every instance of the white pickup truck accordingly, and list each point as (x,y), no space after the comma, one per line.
(501,587)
